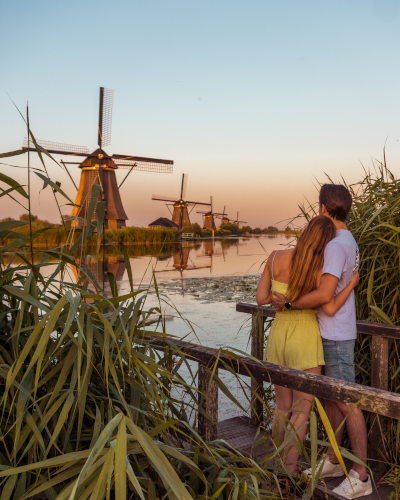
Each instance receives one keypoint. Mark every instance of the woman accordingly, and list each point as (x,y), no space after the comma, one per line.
(295,339)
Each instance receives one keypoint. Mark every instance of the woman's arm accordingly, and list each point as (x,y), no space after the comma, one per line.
(264,287)
(332,307)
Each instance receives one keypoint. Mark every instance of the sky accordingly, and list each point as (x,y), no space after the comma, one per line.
(255,100)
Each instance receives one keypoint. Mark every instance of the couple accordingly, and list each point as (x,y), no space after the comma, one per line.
(311,288)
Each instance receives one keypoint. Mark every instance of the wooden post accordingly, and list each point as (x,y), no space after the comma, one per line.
(257,333)
(379,380)
(208,401)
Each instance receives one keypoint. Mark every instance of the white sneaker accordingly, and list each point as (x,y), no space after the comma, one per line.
(328,469)
(354,488)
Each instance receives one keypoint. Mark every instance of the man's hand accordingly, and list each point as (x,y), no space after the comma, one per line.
(278,301)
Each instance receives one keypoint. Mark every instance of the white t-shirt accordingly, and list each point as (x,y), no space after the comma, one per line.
(339,260)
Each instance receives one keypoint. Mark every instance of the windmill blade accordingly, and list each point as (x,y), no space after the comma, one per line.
(202,212)
(144,164)
(211,200)
(196,203)
(163,198)
(184,186)
(224,212)
(105,116)
(56,147)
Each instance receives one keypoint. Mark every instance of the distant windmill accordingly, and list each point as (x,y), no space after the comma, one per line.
(209,216)
(225,219)
(237,222)
(180,214)
(99,167)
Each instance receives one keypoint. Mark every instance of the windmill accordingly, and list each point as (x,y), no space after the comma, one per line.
(237,222)
(180,214)
(224,218)
(99,168)
(209,217)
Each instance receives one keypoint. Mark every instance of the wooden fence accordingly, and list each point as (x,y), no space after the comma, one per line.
(376,399)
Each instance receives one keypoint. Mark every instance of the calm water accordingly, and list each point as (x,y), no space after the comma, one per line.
(216,324)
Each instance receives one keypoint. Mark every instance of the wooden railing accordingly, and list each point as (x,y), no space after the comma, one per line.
(379,370)
(376,399)
(187,236)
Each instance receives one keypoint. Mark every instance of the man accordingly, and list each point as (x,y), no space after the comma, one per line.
(338,333)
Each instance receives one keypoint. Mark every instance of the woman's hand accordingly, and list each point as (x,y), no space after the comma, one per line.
(355,279)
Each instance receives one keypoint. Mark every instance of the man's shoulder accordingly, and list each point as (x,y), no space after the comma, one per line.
(342,240)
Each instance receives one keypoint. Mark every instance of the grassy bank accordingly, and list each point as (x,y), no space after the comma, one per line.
(51,235)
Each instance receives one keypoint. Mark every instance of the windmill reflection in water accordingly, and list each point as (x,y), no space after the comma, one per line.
(108,271)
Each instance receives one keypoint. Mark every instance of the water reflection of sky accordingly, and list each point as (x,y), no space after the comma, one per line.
(223,257)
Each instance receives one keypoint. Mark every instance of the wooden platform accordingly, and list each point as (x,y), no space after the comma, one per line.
(240,434)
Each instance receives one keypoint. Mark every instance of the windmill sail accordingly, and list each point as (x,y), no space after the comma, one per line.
(184,186)
(105,116)
(56,147)
(145,164)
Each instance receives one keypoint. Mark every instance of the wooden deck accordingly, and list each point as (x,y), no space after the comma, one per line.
(240,433)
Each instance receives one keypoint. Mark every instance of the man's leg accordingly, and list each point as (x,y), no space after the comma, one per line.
(356,429)
(339,358)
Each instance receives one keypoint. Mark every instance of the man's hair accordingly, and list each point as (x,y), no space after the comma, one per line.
(337,200)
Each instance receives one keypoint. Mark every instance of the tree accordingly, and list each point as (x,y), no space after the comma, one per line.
(246,229)
(25,217)
(230,227)
(288,229)
(272,229)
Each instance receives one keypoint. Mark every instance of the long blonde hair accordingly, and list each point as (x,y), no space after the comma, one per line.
(308,257)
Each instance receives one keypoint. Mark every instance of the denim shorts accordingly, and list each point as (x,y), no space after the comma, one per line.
(339,359)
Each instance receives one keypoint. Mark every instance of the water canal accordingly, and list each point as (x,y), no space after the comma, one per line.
(200,283)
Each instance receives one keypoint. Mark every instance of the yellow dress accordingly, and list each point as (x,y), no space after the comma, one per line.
(294,339)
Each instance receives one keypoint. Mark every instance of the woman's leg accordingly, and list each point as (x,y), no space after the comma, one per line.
(300,415)
(284,401)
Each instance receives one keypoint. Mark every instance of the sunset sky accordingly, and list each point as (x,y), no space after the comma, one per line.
(255,99)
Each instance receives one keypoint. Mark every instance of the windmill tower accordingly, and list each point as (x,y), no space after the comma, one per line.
(180,214)
(99,168)
(237,222)
(209,216)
